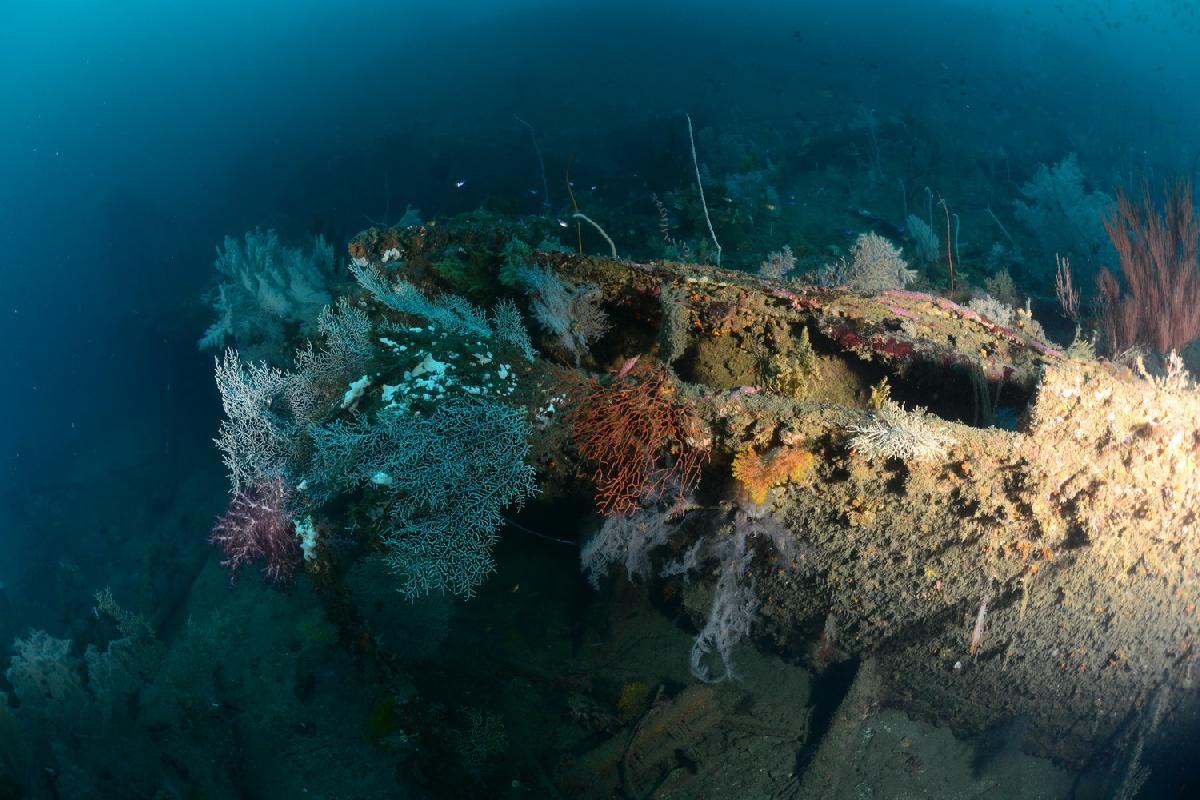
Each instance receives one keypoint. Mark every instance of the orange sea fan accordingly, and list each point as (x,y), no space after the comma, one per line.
(643,439)
(758,473)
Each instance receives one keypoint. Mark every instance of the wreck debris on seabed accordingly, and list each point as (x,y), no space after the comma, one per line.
(1024,547)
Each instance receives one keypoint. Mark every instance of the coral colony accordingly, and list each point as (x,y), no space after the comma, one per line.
(432,416)
(951,466)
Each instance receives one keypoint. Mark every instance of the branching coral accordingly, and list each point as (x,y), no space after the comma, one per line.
(448,312)
(254,438)
(438,453)
(875,264)
(1064,216)
(627,539)
(1161,305)
(572,314)
(258,525)
(268,291)
(896,433)
(731,616)
(641,437)
(442,480)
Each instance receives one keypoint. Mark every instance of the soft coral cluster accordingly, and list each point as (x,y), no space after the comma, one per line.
(257,525)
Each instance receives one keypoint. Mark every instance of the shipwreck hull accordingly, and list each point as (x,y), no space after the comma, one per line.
(1047,571)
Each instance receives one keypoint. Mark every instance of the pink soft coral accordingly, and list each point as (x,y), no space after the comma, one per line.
(258,525)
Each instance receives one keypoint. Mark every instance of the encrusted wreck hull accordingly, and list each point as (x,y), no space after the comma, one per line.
(1047,572)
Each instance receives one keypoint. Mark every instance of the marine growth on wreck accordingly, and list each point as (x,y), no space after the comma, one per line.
(644,401)
(848,477)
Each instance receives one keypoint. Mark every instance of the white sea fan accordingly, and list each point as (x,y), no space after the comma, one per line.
(906,435)
(733,612)
(265,288)
(624,539)
(990,308)
(927,243)
(777,264)
(572,313)
(254,439)
(875,265)
(1066,218)
(45,677)
(449,312)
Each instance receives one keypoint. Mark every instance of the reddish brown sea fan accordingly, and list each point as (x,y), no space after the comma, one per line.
(1160,307)
(642,438)
(256,526)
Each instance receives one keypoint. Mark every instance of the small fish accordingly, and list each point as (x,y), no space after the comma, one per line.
(627,366)
(459,184)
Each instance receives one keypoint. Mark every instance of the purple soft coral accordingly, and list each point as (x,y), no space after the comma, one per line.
(257,525)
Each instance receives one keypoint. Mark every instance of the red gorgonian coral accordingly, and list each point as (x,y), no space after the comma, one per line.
(1159,307)
(257,525)
(643,439)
